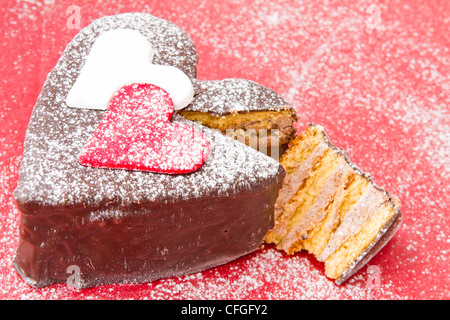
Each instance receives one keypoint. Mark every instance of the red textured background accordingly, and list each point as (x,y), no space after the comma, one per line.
(378,84)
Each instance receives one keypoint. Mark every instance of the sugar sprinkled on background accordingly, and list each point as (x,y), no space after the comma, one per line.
(382,95)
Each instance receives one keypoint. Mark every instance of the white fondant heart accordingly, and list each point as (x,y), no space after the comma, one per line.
(120,57)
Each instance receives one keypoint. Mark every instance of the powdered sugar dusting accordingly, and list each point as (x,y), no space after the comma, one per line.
(221,97)
(381,94)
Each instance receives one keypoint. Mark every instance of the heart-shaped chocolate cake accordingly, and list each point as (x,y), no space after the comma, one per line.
(132,170)
(117,225)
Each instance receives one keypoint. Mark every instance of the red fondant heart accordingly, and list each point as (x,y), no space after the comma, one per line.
(136,134)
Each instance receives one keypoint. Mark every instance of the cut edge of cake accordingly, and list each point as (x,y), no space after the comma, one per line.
(330,207)
(246,111)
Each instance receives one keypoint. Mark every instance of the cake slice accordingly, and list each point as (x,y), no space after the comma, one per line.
(117,225)
(246,111)
(330,208)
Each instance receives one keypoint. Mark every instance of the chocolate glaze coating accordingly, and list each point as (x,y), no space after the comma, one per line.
(151,240)
(129,226)
(234,95)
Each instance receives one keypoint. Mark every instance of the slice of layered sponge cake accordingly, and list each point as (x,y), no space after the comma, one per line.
(330,208)
(245,111)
